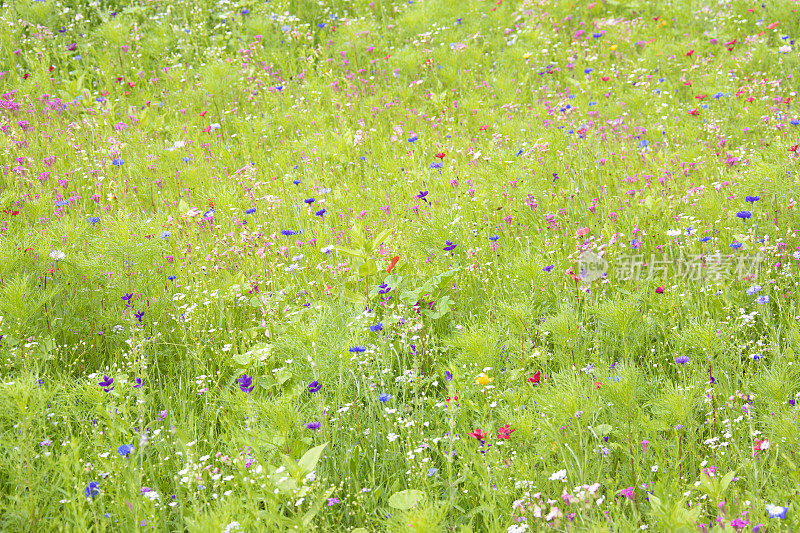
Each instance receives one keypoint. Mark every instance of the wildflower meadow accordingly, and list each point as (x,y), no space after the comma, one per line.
(388,266)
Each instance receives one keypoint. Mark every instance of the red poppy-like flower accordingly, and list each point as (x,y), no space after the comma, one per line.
(395,259)
(536,377)
(693,112)
(202,114)
(484,127)
(478,434)
(689,53)
(505,432)
(441,155)
(794,148)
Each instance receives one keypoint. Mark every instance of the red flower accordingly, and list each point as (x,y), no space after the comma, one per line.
(478,434)
(693,112)
(659,290)
(484,127)
(536,377)
(505,432)
(395,259)
(202,114)
(794,148)
(605,78)
(440,155)
(689,53)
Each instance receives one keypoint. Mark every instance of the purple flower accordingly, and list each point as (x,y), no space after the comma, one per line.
(314,386)
(357,349)
(321,212)
(107,384)
(448,375)
(250,211)
(138,383)
(376,327)
(309,201)
(751,199)
(384,397)
(682,359)
(762,299)
(548,268)
(139,315)
(313,425)
(332,501)
(449,246)
(744,214)
(246,383)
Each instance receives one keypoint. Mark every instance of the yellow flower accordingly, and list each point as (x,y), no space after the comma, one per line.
(612,47)
(483,379)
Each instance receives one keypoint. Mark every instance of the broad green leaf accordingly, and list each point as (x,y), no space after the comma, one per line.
(309,461)
(405,499)
(369,268)
(350,252)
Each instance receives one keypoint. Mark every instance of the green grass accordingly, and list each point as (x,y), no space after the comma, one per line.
(161,124)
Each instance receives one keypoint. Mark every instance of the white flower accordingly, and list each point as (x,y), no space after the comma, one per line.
(561,475)
(392,437)
(654,468)
(327,249)
(230,528)
(673,232)
(57,255)
(785,49)
(517,528)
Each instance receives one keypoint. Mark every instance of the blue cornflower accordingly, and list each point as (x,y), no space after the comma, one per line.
(321,212)
(209,213)
(384,397)
(289,232)
(548,268)
(682,359)
(736,245)
(185,159)
(172,278)
(777,511)
(413,138)
(432,472)
(744,214)
(321,25)
(794,122)
(62,203)
(250,211)
(436,165)
(494,237)
(521,150)
(705,239)
(751,199)
(93,220)
(125,450)
(313,425)
(165,234)
(587,70)
(763,299)
(754,289)
(375,328)
(643,143)
(118,162)
(296,182)
(357,349)
(92,489)
(309,201)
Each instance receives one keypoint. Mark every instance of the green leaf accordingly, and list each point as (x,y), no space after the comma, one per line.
(379,239)
(283,376)
(350,252)
(309,461)
(405,499)
(183,206)
(369,268)
(242,359)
